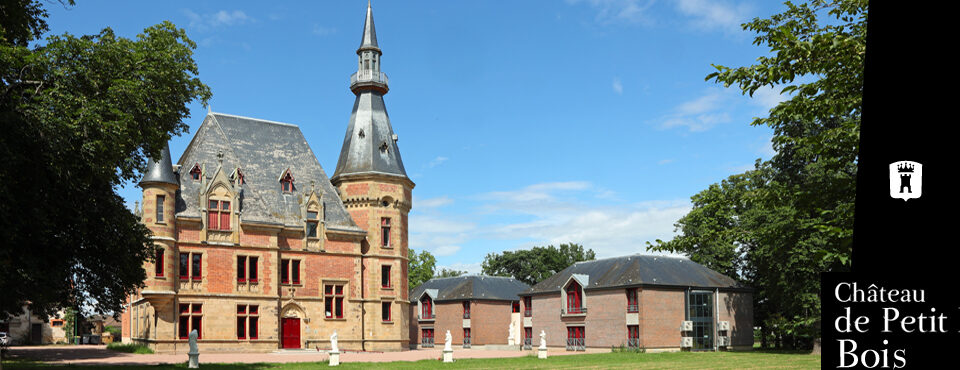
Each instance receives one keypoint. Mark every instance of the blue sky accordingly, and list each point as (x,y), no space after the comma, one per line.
(522,123)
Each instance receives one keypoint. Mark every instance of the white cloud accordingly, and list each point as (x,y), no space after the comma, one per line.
(432,202)
(768,97)
(700,114)
(217,19)
(445,250)
(617,86)
(624,11)
(709,15)
(323,31)
(437,161)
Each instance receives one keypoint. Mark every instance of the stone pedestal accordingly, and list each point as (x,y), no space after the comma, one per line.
(194,360)
(334,358)
(541,353)
(447,356)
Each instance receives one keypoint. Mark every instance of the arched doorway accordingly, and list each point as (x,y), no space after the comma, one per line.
(290,317)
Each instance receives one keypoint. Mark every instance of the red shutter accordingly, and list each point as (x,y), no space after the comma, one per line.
(225,216)
(158,265)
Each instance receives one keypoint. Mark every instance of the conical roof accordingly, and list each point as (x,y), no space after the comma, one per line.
(370,145)
(369,39)
(161,170)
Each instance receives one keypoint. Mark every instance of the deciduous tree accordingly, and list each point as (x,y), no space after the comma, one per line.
(533,265)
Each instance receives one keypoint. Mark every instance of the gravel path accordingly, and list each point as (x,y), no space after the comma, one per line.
(99,355)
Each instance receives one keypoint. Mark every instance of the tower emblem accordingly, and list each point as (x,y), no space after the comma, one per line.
(906,180)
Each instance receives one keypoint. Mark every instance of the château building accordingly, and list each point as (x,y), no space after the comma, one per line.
(260,250)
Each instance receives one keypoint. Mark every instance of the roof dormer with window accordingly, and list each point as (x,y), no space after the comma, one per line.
(573,300)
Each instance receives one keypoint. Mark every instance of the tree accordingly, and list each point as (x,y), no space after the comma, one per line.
(450,273)
(533,265)
(420,269)
(779,226)
(80,116)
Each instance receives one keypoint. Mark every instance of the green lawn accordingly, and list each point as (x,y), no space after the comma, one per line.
(676,360)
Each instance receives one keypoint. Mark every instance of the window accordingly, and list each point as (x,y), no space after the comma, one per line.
(575,338)
(56,323)
(426,337)
(246,269)
(385,313)
(466,309)
(385,232)
(574,298)
(384,276)
(195,172)
(466,337)
(191,318)
(426,308)
(184,265)
(516,307)
(158,264)
(289,271)
(312,223)
(527,306)
(196,270)
(333,301)
(247,321)
(633,336)
(190,266)
(160,199)
(700,311)
(527,337)
(218,215)
(632,305)
(286,182)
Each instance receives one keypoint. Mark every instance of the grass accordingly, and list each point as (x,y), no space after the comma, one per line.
(130,348)
(617,360)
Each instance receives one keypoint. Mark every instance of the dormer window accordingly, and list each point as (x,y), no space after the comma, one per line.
(313,221)
(196,172)
(286,182)
(574,303)
(426,308)
(238,177)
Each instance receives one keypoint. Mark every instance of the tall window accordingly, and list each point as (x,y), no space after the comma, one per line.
(516,307)
(385,232)
(466,309)
(246,269)
(190,266)
(289,271)
(333,301)
(633,336)
(426,308)
(575,338)
(248,319)
(527,337)
(385,313)
(160,199)
(467,339)
(385,276)
(191,318)
(218,215)
(195,266)
(632,305)
(158,264)
(574,298)
(426,337)
(312,223)
(527,306)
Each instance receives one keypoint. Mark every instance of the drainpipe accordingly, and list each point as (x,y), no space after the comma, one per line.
(363,311)
(716,317)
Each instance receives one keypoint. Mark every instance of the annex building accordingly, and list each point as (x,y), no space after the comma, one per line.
(656,303)
(260,250)
(479,311)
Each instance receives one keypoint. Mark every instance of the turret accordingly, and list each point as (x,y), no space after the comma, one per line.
(160,186)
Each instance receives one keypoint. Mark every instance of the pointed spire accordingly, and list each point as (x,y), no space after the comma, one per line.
(369,31)
(160,170)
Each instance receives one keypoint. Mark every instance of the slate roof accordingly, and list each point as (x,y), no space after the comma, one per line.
(263,150)
(369,38)
(472,287)
(637,270)
(160,170)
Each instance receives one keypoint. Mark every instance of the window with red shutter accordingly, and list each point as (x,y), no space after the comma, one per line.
(158,263)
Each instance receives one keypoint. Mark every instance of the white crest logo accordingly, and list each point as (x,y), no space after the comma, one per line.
(906,180)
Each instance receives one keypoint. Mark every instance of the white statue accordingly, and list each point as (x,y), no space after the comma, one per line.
(446,342)
(543,340)
(333,342)
(194,354)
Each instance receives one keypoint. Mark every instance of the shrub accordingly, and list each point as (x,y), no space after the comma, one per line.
(130,348)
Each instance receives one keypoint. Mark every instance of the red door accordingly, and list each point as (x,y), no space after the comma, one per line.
(290,333)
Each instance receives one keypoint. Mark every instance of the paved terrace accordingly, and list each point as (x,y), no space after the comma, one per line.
(100,355)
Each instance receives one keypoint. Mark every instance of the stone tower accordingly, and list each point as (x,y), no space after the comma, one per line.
(160,186)
(377,192)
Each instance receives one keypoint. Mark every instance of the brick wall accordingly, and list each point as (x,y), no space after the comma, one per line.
(737,308)
(661,314)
